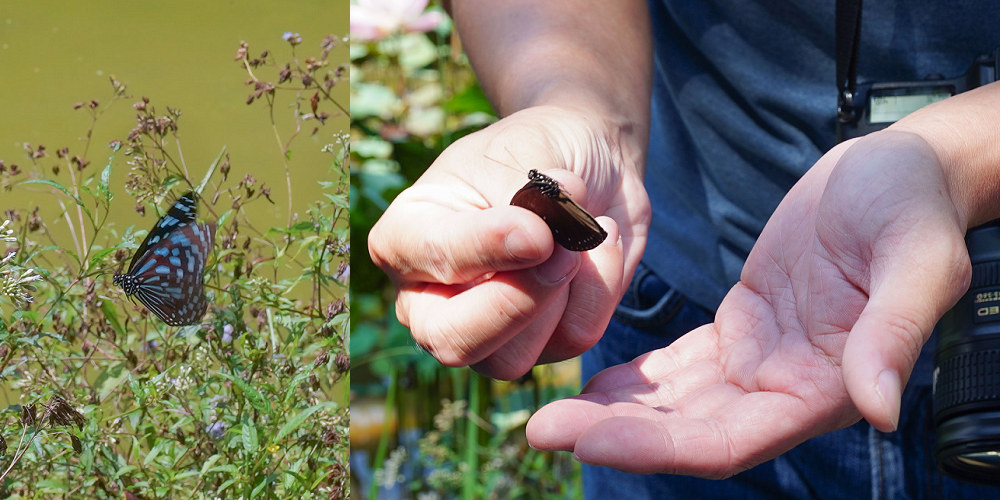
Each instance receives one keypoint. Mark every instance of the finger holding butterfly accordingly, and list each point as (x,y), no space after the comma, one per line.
(573,321)
(484,273)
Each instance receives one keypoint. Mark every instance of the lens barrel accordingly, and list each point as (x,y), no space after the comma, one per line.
(967,370)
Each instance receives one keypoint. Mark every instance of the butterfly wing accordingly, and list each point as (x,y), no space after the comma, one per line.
(183,211)
(169,277)
(572,226)
(166,272)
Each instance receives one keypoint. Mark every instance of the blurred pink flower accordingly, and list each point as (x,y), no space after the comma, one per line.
(377,19)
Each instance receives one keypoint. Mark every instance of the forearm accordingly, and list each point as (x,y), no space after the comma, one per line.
(590,56)
(964,132)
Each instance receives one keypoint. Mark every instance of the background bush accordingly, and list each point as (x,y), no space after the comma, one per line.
(421,430)
(109,402)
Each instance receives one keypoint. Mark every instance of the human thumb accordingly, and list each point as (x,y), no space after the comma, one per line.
(908,293)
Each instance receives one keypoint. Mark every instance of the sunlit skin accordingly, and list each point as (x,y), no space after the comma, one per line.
(840,292)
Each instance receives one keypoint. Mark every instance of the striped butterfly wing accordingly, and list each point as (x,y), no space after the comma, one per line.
(184,211)
(166,272)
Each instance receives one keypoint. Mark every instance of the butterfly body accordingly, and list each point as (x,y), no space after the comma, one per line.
(166,271)
(572,226)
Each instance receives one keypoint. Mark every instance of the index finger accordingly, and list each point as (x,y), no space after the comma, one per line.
(417,240)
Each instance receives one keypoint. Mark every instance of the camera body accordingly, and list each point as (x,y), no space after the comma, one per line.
(875,106)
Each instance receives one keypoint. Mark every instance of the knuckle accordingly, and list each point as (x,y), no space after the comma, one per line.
(445,344)
(504,367)
(905,330)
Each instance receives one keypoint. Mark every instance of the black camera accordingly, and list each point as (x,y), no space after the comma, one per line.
(967,369)
(875,106)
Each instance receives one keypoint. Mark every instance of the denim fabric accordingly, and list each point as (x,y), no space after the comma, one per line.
(856,462)
(744,102)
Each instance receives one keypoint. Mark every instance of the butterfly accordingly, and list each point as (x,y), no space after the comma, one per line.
(166,271)
(572,226)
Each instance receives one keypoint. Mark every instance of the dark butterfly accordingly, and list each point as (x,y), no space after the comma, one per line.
(571,225)
(166,271)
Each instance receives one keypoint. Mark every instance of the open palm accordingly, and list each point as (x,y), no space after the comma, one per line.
(836,299)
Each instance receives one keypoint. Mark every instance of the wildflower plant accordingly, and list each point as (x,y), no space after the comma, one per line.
(249,403)
(14,281)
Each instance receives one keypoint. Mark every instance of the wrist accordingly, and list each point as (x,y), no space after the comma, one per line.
(962,132)
(591,57)
(583,141)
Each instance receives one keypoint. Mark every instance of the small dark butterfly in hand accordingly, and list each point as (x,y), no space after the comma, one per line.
(571,225)
(166,271)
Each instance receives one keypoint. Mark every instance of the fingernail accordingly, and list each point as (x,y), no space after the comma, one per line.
(889,388)
(519,245)
(561,264)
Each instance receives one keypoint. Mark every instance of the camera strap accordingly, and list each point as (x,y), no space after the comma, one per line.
(848,40)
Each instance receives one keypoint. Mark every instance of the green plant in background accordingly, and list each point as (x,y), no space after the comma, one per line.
(420,429)
(251,403)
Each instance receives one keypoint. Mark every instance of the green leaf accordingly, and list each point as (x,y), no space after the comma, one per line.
(291,391)
(416,51)
(264,481)
(98,257)
(153,453)
(186,474)
(226,484)
(123,471)
(103,186)
(225,468)
(297,420)
(469,100)
(251,445)
(65,191)
(364,339)
(50,486)
(254,397)
(303,226)
(40,251)
(370,99)
(337,200)
(111,314)
(51,183)
(211,170)
(372,147)
(210,462)
(358,50)
(189,332)
(110,379)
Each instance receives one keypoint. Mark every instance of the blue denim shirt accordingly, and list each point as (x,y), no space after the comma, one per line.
(744,102)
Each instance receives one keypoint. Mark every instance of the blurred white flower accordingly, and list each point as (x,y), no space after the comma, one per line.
(7,234)
(14,286)
(378,19)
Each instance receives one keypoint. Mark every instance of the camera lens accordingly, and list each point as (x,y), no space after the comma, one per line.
(967,370)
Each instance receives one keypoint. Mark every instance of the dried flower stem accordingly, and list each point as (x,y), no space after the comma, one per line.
(57,412)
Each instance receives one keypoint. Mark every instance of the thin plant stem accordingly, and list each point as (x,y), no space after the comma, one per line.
(469,481)
(383,442)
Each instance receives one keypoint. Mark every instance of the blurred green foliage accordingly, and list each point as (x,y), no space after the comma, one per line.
(420,429)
